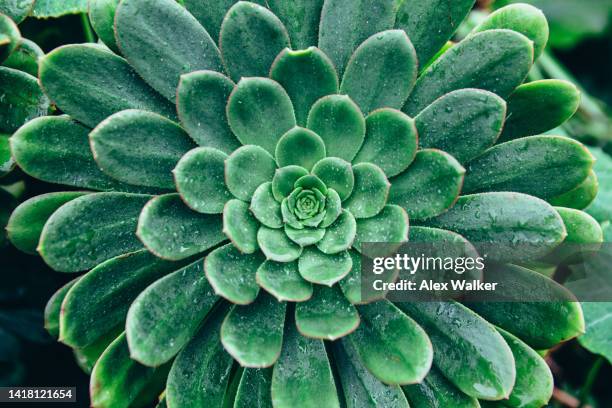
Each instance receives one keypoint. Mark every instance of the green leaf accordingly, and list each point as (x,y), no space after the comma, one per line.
(246,169)
(307,75)
(353,283)
(301,19)
(87,357)
(265,207)
(91,229)
(543,166)
(387,59)
(54,307)
(494,60)
(100,300)
(17,10)
(147,157)
(462,123)
(232,274)
(10,37)
(277,246)
(200,180)
(283,281)
(58,8)
(522,18)
(240,226)
(305,236)
(391,345)
(467,349)
(524,314)
(370,191)
(601,209)
(311,182)
(581,196)
(534,381)
(25,57)
(102,19)
(327,316)
(323,269)
(201,371)
(251,37)
(437,391)
(582,230)
(253,334)
(302,375)
(118,381)
(259,112)
(299,147)
(22,99)
(390,141)
(339,122)
(27,221)
(523,226)
(7,163)
(166,315)
(390,226)
(254,389)
(337,174)
(175,43)
(333,208)
(201,103)
(430,24)
(284,180)
(361,388)
(346,25)
(171,230)
(539,106)
(340,235)
(598,317)
(90,84)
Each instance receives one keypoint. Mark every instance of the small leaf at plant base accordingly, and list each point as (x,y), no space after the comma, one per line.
(318,267)
(176,44)
(305,236)
(10,36)
(307,75)
(53,309)
(91,229)
(299,147)
(542,166)
(259,112)
(437,391)
(171,230)
(145,158)
(283,281)
(370,192)
(391,345)
(539,106)
(337,174)
(253,334)
(265,207)
(277,246)
(284,180)
(246,169)
(494,60)
(362,389)
(301,19)
(23,100)
(165,316)
(106,84)
(327,316)
(232,274)
(251,37)
(240,226)
(473,343)
(390,142)
(339,122)
(102,19)
(581,196)
(17,10)
(390,226)
(201,103)
(462,123)
(25,58)
(387,59)
(340,235)
(254,388)
(100,300)
(302,375)
(118,381)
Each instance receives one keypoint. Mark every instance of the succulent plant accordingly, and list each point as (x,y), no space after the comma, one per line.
(244,153)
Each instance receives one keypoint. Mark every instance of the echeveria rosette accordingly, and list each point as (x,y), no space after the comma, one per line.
(243,155)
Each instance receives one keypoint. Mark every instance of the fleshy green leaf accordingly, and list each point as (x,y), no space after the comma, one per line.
(539,106)
(307,75)
(25,57)
(543,166)
(337,174)
(277,246)
(246,169)
(90,84)
(598,316)
(305,236)
(284,180)
(601,208)
(583,233)
(171,230)
(259,112)
(232,274)
(437,391)
(387,59)
(166,315)
(254,389)
(299,147)
(340,235)
(339,122)
(390,141)
(494,60)
(201,103)
(462,123)
(323,269)
(175,43)
(265,207)
(10,36)
(87,357)
(579,197)
(253,334)
(353,283)
(251,37)
(240,226)
(370,192)
(91,229)
(283,281)
(22,99)
(58,8)
(327,316)
(17,10)
(391,345)
(54,307)
(102,19)
(301,19)
(390,226)
(7,163)
(333,208)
